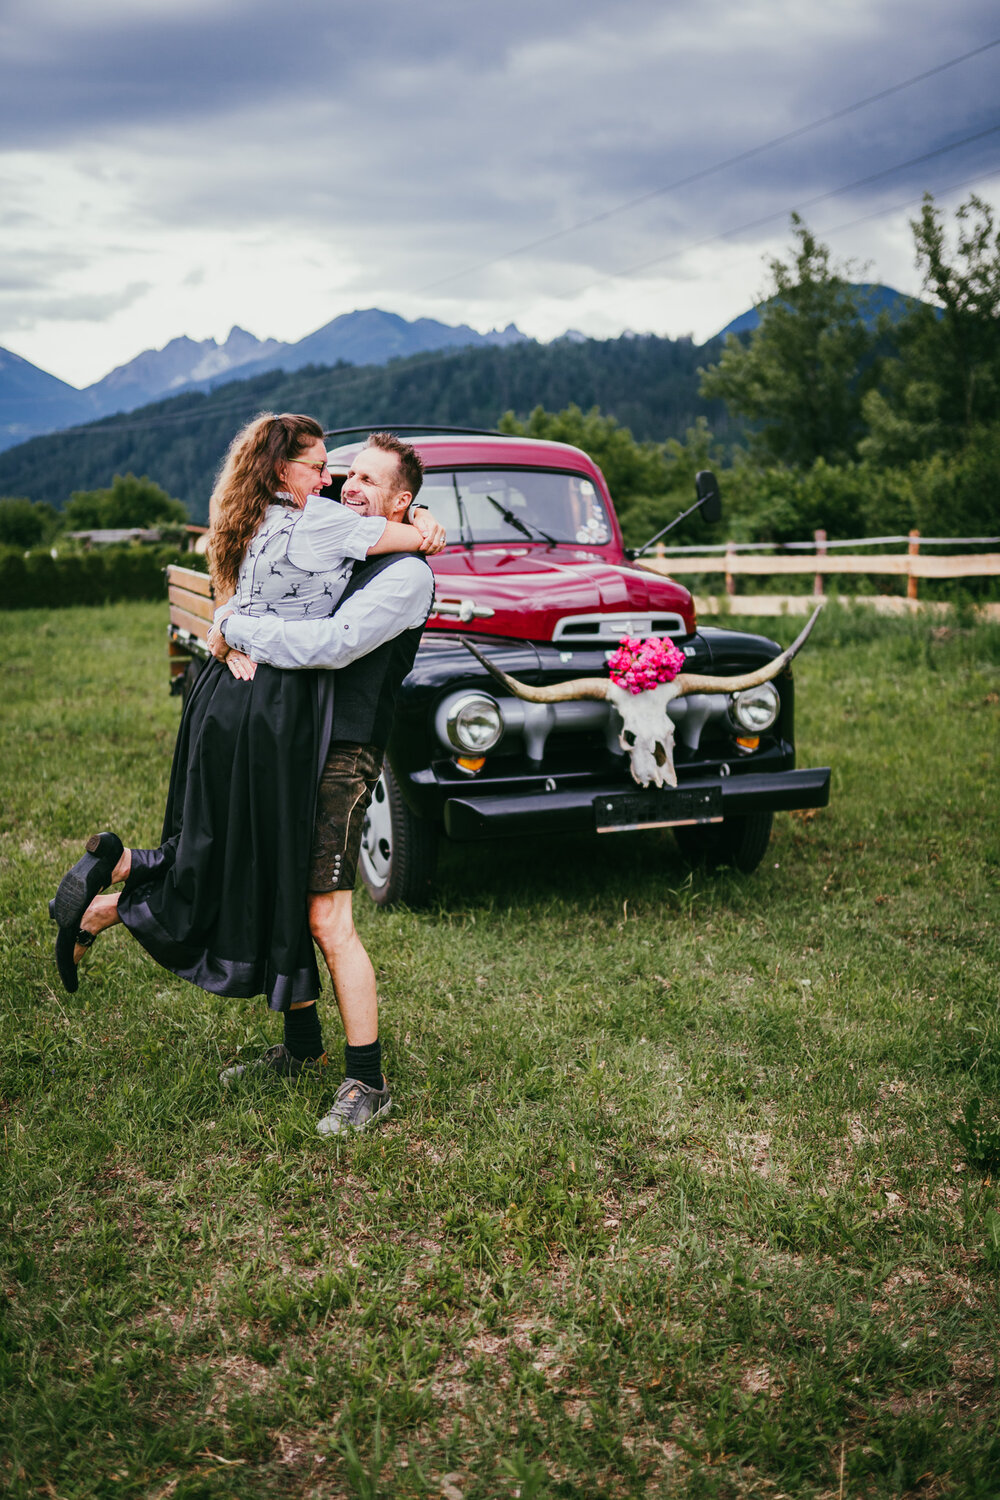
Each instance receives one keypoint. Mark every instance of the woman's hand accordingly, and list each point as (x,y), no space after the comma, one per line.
(217,643)
(433,533)
(241,666)
(238,662)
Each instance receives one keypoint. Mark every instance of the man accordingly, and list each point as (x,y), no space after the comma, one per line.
(372,639)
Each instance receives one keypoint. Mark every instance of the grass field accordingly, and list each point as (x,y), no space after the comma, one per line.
(671,1204)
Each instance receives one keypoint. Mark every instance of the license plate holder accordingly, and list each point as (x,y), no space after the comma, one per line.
(627,812)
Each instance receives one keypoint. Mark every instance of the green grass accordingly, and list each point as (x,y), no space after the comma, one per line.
(672,1202)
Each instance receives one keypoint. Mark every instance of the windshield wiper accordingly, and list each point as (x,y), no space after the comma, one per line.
(463,519)
(519,525)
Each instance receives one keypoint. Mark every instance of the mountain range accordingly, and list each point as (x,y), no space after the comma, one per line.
(33,402)
(366,367)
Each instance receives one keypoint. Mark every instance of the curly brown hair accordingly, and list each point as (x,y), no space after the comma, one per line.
(246,486)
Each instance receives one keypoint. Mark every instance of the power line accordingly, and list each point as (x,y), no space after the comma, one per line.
(781,212)
(730,161)
(880,213)
(896,208)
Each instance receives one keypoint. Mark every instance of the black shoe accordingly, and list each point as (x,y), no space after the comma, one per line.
(77,889)
(88,878)
(66,941)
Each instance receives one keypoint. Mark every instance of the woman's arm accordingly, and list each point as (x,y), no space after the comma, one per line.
(398,598)
(239,665)
(399,537)
(433,533)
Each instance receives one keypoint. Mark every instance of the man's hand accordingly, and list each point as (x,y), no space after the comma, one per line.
(433,533)
(241,666)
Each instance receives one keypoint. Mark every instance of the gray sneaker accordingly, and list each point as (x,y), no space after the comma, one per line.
(355,1107)
(276,1059)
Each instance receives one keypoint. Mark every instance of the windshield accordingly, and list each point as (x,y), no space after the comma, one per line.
(506,505)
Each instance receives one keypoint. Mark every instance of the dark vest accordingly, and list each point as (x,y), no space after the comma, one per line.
(364,695)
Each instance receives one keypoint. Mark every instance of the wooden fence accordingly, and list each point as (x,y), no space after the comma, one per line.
(823,559)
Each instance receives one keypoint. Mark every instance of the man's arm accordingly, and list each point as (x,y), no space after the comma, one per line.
(397,599)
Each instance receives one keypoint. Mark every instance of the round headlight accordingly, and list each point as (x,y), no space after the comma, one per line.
(474,723)
(755,709)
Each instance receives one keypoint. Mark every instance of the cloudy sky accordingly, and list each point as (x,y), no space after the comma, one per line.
(177,166)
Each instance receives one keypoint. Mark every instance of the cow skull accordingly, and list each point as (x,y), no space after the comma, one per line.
(647,732)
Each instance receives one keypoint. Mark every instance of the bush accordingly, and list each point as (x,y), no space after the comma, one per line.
(26,523)
(130,501)
(844,500)
(959,494)
(37,580)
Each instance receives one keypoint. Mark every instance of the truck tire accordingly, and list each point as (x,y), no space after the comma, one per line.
(740,842)
(398,851)
(190,676)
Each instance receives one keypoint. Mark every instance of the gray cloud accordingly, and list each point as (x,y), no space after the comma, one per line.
(36,270)
(411,144)
(84,307)
(110,66)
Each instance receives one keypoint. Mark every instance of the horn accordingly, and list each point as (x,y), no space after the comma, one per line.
(690,682)
(684,682)
(560,692)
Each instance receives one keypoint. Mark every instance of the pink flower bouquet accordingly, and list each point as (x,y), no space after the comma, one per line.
(642,665)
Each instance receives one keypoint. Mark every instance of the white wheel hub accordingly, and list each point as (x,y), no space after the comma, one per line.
(376,837)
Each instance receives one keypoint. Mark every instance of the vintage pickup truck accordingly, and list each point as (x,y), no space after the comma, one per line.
(536,574)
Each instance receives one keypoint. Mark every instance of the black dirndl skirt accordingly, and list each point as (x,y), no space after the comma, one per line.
(222,901)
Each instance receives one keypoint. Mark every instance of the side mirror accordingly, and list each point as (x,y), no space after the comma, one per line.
(706,487)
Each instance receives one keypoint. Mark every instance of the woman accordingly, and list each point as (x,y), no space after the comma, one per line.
(222,901)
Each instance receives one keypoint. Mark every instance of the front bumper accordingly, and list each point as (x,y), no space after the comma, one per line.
(607,808)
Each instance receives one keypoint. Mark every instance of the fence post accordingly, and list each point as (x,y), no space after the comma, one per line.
(912,551)
(820,539)
(730,580)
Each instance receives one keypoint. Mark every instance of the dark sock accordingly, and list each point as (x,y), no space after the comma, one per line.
(364,1063)
(303,1033)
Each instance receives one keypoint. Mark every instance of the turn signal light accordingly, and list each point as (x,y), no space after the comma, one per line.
(748,741)
(471,763)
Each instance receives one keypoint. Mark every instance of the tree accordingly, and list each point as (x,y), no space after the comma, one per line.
(26,523)
(958,494)
(129,502)
(944,387)
(630,468)
(643,515)
(806,367)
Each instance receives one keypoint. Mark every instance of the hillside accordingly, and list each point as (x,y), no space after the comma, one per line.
(877,299)
(32,400)
(649,384)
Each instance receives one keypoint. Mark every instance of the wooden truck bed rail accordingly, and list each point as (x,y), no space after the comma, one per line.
(192,606)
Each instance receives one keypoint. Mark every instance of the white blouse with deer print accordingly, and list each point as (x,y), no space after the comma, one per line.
(298,561)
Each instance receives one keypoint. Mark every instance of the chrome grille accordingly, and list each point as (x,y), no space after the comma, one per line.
(608,629)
